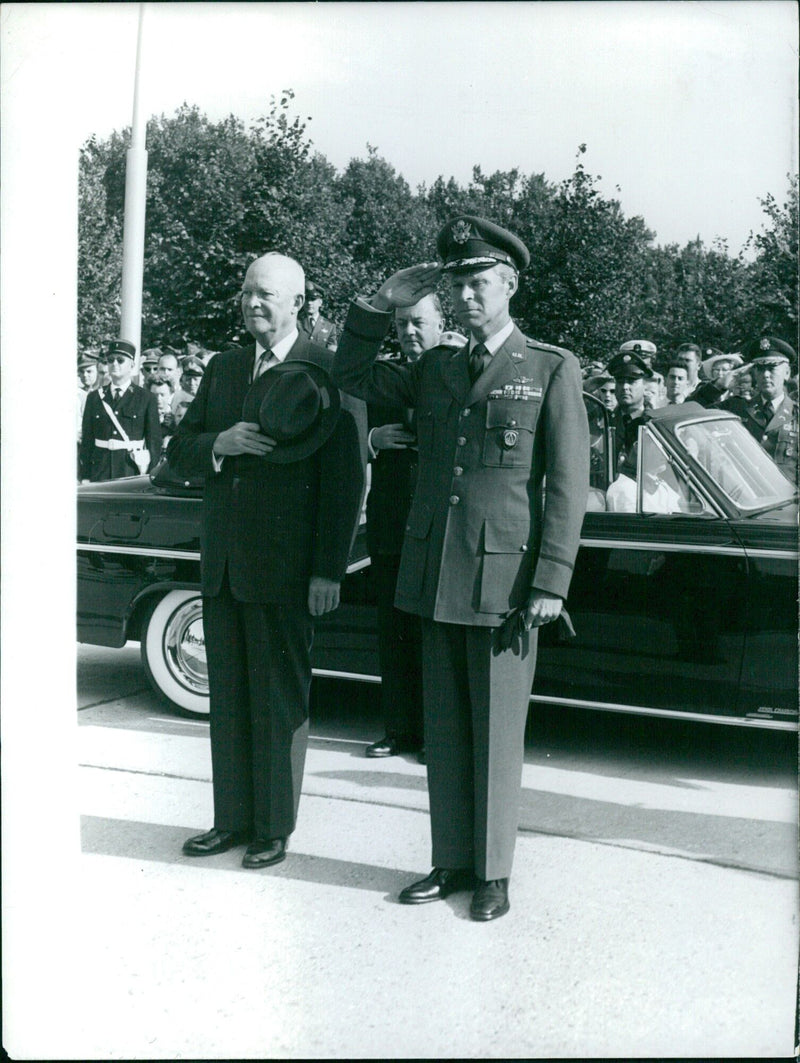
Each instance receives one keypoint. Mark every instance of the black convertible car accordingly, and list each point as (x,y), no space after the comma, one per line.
(684,598)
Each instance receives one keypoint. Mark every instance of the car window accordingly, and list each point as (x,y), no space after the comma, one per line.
(728,452)
(598,454)
(663,486)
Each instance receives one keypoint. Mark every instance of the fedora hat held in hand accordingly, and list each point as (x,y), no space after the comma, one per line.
(297,405)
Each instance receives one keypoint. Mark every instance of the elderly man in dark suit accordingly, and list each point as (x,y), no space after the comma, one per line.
(120,432)
(280,509)
(488,554)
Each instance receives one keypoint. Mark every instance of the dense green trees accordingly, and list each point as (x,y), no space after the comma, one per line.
(219,193)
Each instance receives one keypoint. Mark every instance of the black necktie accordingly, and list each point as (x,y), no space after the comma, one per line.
(115,394)
(261,365)
(478,361)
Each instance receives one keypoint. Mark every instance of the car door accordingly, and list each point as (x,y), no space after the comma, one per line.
(658,599)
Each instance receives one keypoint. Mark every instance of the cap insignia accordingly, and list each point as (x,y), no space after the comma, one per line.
(626,357)
(460,231)
(765,344)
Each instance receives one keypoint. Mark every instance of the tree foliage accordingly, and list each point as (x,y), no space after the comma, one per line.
(219,194)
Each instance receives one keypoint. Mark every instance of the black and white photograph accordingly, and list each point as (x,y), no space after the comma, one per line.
(399,530)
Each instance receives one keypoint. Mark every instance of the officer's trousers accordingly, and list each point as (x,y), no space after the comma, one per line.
(476,706)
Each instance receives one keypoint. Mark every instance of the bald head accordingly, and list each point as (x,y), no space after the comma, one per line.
(420,326)
(272,295)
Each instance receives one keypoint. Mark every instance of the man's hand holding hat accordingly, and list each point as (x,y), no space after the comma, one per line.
(244,437)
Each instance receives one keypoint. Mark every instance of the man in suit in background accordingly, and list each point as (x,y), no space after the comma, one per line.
(121,432)
(393,453)
(487,553)
(276,540)
(312,321)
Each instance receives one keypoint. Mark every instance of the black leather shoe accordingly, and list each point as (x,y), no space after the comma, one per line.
(213,841)
(490,900)
(439,884)
(386,747)
(264,852)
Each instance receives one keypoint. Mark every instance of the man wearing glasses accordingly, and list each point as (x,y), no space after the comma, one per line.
(121,432)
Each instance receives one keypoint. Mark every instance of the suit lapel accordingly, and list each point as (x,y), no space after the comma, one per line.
(504,367)
(455,373)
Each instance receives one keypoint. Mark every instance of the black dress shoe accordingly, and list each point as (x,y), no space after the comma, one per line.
(385,747)
(264,852)
(490,900)
(214,841)
(439,884)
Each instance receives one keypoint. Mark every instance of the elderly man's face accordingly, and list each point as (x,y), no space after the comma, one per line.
(271,298)
(480,298)
(418,327)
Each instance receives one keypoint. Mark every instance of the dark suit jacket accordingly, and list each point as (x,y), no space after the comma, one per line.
(137,412)
(393,477)
(274,526)
(480,534)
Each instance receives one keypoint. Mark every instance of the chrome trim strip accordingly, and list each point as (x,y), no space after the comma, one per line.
(694,548)
(150,551)
(180,555)
(761,723)
(671,714)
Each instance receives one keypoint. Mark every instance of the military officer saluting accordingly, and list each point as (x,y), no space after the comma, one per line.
(483,543)
(121,432)
(771,416)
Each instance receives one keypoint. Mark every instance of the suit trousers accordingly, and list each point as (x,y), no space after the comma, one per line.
(400,654)
(476,706)
(259,675)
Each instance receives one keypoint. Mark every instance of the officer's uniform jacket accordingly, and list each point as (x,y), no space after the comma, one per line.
(137,412)
(480,534)
(322,332)
(778,434)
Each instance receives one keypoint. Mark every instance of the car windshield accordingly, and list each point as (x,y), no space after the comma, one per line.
(728,452)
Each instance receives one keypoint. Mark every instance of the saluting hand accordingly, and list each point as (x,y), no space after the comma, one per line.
(323,595)
(391,437)
(543,608)
(407,286)
(244,437)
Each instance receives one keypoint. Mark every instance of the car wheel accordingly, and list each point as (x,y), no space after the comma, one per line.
(174,651)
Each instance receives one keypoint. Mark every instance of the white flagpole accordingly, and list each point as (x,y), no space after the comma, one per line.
(130,327)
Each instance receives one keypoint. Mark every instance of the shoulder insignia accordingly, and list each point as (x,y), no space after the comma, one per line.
(537,345)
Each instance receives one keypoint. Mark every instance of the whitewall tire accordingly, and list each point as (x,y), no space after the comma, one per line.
(174,653)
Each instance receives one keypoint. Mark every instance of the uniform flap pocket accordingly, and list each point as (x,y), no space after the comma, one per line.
(510,413)
(505,536)
(419,523)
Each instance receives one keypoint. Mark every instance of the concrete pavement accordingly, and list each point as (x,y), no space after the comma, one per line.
(609,949)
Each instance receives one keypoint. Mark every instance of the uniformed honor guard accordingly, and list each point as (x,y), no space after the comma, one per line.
(313,323)
(121,432)
(487,555)
(770,416)
(630,371)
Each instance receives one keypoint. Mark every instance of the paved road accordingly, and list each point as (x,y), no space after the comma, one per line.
(654,899)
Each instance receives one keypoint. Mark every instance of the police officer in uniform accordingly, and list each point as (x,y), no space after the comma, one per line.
(629,371)
(771,416)
(486,551)
(313,323)
(105,453)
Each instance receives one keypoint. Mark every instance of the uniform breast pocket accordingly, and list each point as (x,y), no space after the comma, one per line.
(510,427)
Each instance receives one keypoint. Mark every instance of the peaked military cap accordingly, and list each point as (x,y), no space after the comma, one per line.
(469,242)
(121,347)
(769,348)
(644,348)
(85,360)
(151,356)
(193,366)
(629,366)
(313,291)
